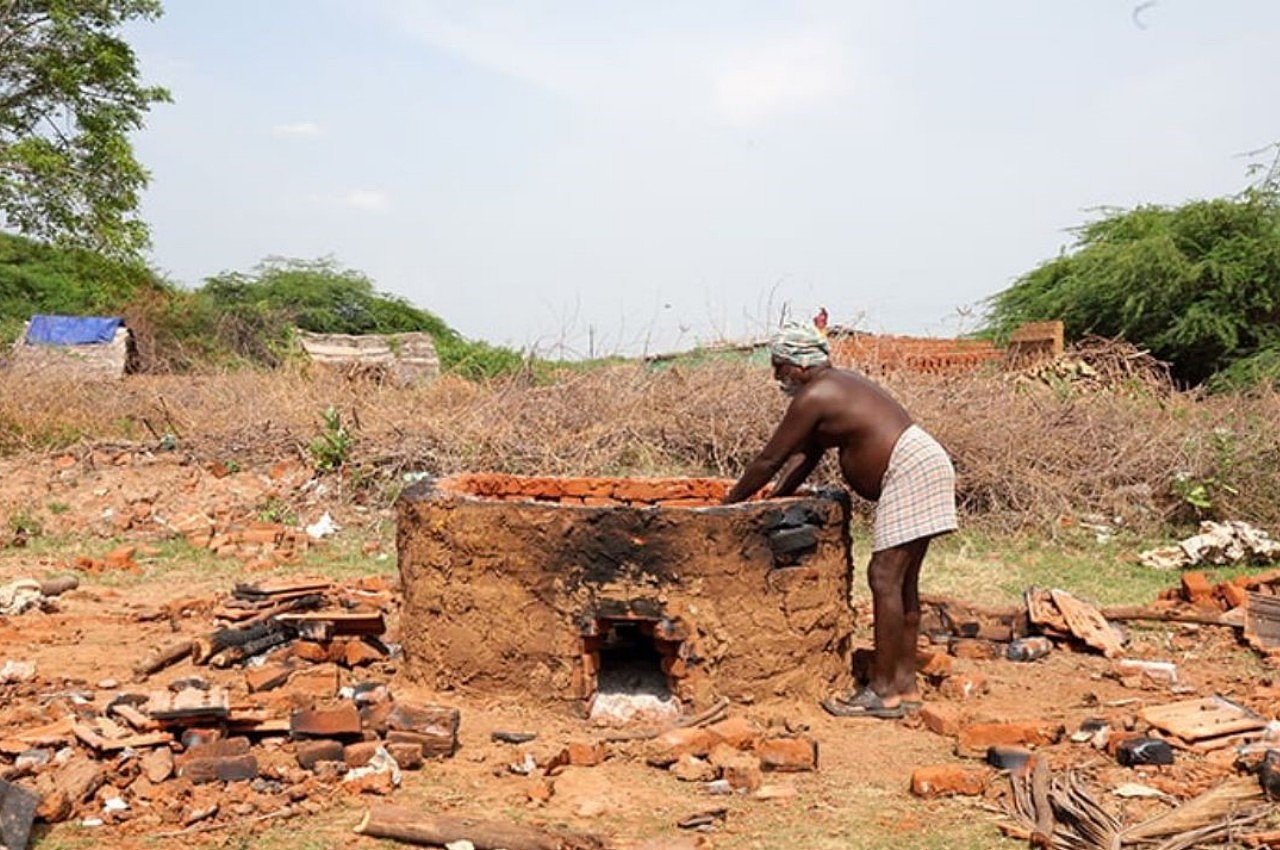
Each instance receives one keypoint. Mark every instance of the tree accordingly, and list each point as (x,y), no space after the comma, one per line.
(69,97)
(257,312)
(1197,285)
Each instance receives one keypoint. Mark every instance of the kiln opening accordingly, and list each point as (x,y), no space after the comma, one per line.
(635,671)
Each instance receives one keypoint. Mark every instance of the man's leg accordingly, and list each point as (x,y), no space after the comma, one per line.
(905,671)
(894,576)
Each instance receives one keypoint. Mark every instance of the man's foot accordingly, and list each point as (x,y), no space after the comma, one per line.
(864,703)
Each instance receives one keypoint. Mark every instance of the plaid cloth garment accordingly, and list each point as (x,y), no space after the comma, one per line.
(918,493)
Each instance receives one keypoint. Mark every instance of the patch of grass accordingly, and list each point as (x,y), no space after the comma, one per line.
(995,569)
(174,563)
(342,556)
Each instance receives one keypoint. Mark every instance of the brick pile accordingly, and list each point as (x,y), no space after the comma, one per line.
(272,736)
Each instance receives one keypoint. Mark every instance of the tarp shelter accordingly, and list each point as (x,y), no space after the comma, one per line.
(403,359)
(73,347)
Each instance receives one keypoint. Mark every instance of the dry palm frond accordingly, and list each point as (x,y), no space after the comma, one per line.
(1226,804)
(1083,824)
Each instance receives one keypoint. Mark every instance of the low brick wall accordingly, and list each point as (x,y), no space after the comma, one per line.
(510,584)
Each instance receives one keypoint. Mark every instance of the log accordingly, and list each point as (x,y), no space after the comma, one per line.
(162,657)
(225,640)
(411,827)
(1170,615)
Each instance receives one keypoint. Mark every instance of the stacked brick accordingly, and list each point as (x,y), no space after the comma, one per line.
(927,355)
(593,492)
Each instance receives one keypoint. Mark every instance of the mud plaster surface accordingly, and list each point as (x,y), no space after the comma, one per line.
(500,596)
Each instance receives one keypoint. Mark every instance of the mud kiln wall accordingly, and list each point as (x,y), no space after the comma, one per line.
(516,586)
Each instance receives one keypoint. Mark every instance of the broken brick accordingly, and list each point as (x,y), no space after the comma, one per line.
(311,753)
(788,754)
(342,721)
(941,719)
(736,731)
(975,738)
(939,780)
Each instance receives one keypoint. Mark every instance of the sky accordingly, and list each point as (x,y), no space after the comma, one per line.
(584,178)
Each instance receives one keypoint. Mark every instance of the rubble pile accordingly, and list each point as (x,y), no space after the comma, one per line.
(160,495)
(293,708)
(1217,544)
(1174,743)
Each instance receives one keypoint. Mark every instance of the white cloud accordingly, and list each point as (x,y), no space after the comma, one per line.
(368,200)
(303,128)
(746,70)
(785,76)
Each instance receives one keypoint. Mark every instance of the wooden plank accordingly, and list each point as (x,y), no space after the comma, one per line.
(274,590)
(1042,611)
(1087,624)
(188,703)
(131,715)
(338,623)
(1262,621)
(1200,718)
(111,745)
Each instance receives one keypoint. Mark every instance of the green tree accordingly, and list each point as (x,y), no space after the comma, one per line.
(1197,285)
(257,312)
(69,97)
(39,278)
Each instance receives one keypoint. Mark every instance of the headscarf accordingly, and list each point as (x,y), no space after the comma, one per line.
(801,344)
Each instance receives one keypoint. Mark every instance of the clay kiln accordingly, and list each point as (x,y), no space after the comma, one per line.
(549,589)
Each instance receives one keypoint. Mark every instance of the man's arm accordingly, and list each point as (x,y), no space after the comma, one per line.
(792,437)
(796,470)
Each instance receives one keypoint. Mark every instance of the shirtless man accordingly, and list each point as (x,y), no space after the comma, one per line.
(884,458)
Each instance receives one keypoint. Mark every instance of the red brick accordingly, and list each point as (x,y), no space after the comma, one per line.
(939,780)
(585,753)
(357,652)
(738,732)
(311,753)
(1233,594)
(788,754)
(407,755)
(933,665)
(973,648)
(358,755)
(338,722)
(975,738)
(1196,588)
(941,719)
(670,745)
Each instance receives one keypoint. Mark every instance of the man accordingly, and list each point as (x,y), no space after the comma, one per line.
(885,458)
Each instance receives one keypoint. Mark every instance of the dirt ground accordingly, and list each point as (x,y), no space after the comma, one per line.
(85,646)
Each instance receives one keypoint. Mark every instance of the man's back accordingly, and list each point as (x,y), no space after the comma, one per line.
(859,419)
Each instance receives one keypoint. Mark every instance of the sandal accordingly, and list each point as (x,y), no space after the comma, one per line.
(865,703)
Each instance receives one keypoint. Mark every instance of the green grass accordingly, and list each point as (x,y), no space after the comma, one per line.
(995,569)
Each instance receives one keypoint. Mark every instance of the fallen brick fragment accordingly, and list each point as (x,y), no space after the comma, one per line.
(939,780)
(975,738)
(788,754)
(219,769)
(311,753)
(342,721)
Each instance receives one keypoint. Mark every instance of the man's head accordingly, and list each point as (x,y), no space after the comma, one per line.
(795,348)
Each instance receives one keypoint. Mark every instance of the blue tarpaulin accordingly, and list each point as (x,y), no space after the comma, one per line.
(72,330)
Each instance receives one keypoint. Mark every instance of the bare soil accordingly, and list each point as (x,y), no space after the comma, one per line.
(859,796)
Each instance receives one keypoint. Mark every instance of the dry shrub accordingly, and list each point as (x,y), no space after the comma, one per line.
(1027,452)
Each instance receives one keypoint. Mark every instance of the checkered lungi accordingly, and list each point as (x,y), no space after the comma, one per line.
(917,494)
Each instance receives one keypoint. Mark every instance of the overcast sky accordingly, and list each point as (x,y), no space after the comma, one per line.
(646,175)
